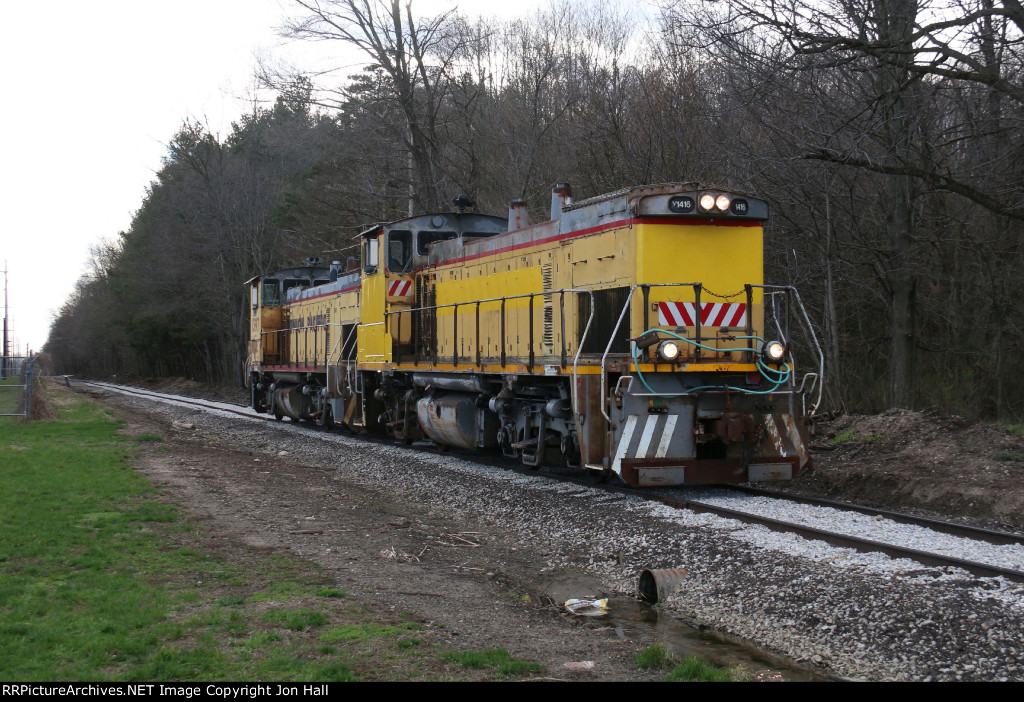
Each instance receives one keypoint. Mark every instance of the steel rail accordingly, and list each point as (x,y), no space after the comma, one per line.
(862,545)
(241,410)
(984,570)
(993,536)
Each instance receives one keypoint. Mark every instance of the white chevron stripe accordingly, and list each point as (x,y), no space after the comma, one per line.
(711,315)
(666,436)
(645,438)
(718,314)
(627,436)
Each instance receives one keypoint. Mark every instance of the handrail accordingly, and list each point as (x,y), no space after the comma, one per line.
(561,292)
(625,308)
(502,300)
(579,350)
(303,328)
(820,376)
(781,289)
(341,340)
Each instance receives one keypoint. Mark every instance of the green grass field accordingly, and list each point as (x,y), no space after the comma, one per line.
(101,580)
(9,397)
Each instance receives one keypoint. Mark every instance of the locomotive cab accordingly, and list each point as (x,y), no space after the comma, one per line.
(267,294)
(392,256)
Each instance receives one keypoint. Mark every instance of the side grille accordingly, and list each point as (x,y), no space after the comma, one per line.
(607,307)
(548,335)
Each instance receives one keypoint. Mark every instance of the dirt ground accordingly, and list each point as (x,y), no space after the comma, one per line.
(946,467)
(472,589)
(490,594)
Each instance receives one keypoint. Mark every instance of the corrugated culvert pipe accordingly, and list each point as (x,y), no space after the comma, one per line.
(657,584)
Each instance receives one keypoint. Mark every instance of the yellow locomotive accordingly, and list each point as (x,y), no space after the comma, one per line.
(632,333)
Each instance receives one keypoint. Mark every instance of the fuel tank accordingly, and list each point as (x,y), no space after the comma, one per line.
(455,419)
(288,400)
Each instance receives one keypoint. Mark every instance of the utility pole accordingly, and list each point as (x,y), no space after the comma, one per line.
(5,367)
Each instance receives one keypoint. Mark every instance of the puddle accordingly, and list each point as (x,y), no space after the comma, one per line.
(634,620)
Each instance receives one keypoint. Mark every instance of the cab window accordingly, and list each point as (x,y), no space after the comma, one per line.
(290,283)
(425,239)
(370,260)
(271,293)
(399,251)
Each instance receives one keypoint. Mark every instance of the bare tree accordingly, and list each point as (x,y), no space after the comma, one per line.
(977,42)
(414,53)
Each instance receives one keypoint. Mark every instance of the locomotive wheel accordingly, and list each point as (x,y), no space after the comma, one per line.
(326,418)
(401,432)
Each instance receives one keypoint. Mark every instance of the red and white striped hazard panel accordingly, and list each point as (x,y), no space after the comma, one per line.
(400,288)
(712,314)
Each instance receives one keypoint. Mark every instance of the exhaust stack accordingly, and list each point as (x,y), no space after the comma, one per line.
(561,195)
(518,217)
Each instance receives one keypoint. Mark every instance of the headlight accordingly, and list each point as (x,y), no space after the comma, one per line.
(668,351)
(707,201)
(773,351)
(722,202)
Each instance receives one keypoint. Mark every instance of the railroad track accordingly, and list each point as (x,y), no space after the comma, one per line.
(992,536)
(691,499)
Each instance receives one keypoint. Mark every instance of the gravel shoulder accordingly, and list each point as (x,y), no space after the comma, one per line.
(466,546)
(266,490)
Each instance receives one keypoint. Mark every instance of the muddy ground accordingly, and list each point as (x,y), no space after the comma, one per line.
(401,556)
(947,467)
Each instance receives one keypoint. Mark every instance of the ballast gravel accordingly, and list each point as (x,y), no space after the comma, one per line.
(855,615)
(863,526)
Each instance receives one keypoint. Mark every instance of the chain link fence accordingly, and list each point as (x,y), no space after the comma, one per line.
(16,378)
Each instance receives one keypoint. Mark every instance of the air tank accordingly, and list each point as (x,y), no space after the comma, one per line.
(455,419)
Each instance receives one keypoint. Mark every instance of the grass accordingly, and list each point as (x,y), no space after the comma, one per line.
(849,436)
(655,656)
(143,438)
(102,580)
(693,669)
(9,397)
(497,659)
(296,620)
(689,669)
(366,631)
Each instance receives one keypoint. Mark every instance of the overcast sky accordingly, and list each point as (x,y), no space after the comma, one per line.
(94,91)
